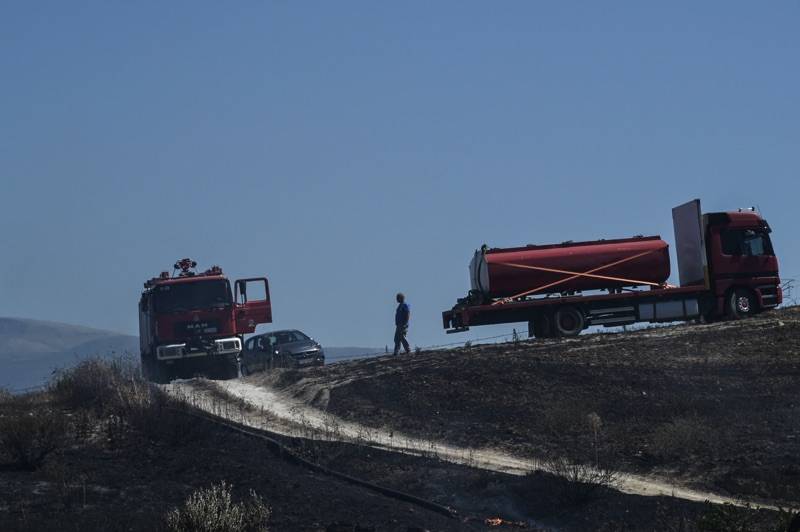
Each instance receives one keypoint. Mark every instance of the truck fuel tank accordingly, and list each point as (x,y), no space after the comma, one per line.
(569,267)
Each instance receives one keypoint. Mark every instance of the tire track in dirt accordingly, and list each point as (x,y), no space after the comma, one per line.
(293,417)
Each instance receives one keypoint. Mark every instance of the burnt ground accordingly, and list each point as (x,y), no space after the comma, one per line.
(715,407)
(108,477)
(117,480)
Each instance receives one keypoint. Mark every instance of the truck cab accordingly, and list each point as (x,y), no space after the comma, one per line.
(743,268)
(194,323)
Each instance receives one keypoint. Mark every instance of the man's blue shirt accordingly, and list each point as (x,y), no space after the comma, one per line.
(402,314)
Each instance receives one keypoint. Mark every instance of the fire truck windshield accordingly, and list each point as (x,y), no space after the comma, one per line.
(192,296)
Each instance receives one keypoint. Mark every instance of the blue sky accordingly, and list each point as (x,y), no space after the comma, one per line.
(348,150)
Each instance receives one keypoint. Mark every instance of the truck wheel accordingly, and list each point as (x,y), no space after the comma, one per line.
(227,370)
(741,303)
(155,372)
(541,327)
(568,321)
(145,367)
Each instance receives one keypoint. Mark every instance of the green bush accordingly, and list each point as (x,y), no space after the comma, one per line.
(213,510)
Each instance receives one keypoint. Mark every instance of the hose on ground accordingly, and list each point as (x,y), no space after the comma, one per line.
(284,452)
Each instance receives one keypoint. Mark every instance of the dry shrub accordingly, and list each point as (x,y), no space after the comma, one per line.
(95,384)
(31,430)
(125,403)
(584,473)
(213,510)
(679,437)
(579,482)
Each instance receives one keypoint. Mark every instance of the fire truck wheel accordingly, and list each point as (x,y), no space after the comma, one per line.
(163,374)
(568,321)
(226,370)
(155,372)
(741,303)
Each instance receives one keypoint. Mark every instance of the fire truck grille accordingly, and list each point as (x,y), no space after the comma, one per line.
(196,328)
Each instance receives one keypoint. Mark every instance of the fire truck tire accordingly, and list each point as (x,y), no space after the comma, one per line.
(161,374)
(227,370)
(741,303)
(155,372)
(568,321)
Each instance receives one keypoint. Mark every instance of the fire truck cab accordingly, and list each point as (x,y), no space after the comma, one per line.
(193,323)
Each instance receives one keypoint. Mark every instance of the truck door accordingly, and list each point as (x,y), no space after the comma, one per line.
(252,304)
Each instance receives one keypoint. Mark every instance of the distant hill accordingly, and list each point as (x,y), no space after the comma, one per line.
(31,349)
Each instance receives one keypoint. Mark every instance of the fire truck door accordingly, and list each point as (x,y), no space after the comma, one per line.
(252,304)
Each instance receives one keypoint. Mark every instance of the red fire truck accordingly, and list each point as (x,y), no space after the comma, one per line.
(726,264)
(190,323)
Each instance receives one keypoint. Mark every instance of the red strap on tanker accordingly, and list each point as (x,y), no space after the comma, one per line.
(575,275)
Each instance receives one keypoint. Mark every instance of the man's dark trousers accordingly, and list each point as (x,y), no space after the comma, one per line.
(400,333)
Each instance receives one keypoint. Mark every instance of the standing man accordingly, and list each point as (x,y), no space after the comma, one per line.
(401,319)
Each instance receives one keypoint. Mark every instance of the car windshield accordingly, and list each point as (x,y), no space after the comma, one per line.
(192,296)
(284,337)
(746,242)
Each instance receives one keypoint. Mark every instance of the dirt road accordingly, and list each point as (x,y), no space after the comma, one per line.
(293,417)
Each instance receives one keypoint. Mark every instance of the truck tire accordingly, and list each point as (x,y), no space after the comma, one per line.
(568,321)
(154,372)
(226,370)
(541,327)
(150,371)
(741,303)
(162,374)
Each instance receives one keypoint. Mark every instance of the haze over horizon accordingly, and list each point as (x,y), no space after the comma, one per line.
(348,151)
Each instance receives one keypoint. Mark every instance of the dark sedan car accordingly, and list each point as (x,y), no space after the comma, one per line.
(290,348)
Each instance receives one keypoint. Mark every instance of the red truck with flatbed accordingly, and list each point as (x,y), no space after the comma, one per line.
(191,323)
(726,264)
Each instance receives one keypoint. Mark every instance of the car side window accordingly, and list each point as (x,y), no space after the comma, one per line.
(249,344)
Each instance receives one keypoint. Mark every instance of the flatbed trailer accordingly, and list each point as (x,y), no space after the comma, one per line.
(727,269)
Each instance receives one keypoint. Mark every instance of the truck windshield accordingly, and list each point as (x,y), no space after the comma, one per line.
(192,296)
(746,242)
